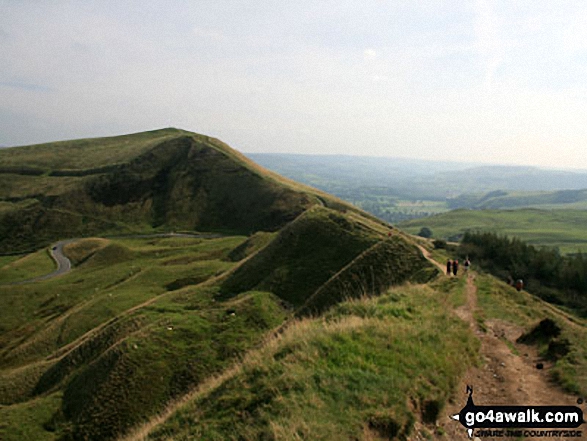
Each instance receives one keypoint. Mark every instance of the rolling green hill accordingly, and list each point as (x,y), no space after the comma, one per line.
(162,180)
(306,318)
(562,199)
(142,319)
(564,229)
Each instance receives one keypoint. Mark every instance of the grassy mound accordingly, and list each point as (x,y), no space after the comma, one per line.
(110,254)
(250,246)
(303,256)
(178,350)
(389,262)
(81,250)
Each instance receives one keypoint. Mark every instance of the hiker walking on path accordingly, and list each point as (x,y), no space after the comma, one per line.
(448,267)
(467,264)
(455,267)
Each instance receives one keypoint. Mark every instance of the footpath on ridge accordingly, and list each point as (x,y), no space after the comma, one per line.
(505,376)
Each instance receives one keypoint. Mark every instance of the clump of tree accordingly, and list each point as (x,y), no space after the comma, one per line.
(440,244)
(425,232)
(546,273)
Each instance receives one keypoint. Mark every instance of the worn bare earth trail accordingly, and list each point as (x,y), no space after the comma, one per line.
(507,374)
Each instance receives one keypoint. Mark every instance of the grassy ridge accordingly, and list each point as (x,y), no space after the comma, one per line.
(84,153)
(389,262)
(166,180)
(564,229)
(302,257)
(368,370)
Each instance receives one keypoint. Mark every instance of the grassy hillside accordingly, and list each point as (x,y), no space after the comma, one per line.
(369,369)
(143,323)
(564,229)
(288,329)
(95,351)
(84,154)
(303,256)
(162,180)
(140,321)
(378,368)
(547,200)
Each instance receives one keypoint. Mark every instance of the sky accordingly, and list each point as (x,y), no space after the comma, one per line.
(485,81)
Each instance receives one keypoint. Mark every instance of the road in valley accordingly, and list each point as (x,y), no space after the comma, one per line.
(64,264)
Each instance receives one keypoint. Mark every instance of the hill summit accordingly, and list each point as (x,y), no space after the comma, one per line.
(166,179)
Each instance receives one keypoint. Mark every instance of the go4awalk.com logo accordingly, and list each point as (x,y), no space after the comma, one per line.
(520,421)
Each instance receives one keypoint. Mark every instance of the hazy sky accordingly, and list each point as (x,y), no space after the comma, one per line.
(485,81)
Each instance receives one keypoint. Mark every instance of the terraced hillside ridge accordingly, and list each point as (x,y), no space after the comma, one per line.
(162,180)
(139,322)
(390,367)
(142,319)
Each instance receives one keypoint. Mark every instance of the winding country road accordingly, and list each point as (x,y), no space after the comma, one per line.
(64,264)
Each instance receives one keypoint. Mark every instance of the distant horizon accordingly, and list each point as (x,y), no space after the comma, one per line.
(321,154)
(406,158)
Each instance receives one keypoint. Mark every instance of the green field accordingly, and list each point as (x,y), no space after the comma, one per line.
(18,268)
(74,346)
(563,229)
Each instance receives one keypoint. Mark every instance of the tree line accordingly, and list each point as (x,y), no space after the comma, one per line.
(555,278)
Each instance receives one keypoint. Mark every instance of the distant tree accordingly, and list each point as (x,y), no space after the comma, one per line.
(425,232)
(440,244)
(556,278)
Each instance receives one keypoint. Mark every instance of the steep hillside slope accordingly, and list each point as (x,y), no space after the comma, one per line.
(167,179)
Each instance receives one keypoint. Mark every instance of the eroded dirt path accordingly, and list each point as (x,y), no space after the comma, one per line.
(507,375)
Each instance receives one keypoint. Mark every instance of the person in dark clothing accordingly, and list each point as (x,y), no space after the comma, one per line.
(455,267)
(448,267)
(467,264)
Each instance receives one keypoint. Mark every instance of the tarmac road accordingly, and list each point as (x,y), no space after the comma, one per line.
(64,264)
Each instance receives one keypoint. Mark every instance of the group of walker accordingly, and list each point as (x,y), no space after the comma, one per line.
(452,266)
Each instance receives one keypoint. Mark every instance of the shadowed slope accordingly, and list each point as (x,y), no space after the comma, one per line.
(167,179)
